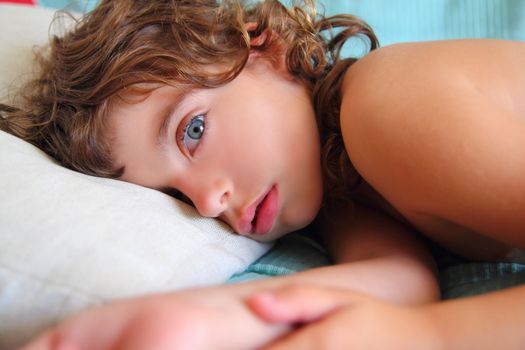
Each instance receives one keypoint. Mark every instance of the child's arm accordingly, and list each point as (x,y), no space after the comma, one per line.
(218,318)
(386,257)
(340,319)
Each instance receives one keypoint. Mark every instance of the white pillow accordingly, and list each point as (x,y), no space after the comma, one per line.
(70,240)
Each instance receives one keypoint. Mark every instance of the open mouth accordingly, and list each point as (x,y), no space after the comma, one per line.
(265,213)
(260,216)
(255,217)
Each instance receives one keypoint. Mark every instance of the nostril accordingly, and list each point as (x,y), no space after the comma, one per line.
(213,205)
(211,199)
(224,198)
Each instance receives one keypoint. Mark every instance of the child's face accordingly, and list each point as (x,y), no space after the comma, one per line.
(246,152)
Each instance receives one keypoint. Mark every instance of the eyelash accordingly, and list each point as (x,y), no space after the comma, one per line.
(181,133)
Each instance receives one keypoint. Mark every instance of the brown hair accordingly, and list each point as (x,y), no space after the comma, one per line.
(125,42)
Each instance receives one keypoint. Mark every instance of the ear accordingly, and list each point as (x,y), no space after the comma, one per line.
(274,52)
(258,40)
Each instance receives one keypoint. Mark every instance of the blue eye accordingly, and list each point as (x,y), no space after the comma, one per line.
(193,132)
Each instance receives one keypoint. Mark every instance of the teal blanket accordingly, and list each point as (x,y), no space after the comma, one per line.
(420,20)
(301,251)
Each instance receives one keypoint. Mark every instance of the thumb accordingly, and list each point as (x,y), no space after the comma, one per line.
(298,303)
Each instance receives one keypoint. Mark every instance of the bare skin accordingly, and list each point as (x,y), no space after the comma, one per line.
(337,318)
(437,131)
(447,120)
(448,124)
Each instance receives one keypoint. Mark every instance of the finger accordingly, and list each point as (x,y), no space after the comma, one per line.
(298,303)
(43,342)
(315,336)
(50,341)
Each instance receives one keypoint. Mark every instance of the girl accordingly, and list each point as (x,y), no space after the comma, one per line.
(250,114)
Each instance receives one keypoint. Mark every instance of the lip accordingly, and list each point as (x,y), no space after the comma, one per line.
(263,211)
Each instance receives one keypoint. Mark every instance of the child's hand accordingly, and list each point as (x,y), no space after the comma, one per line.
(199,319)
(331,318)
(143,323)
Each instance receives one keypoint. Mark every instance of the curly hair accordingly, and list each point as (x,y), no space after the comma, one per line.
(122,43)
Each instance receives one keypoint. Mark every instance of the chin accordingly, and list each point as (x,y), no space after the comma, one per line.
(281,231)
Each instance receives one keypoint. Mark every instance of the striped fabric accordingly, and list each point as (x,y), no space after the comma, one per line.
(403,20)
(457,278)
(417,20)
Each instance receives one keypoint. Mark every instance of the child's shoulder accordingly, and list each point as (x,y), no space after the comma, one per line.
(397,64)
(386,72)
(413,75)
(422,69)
(384,76)
(405,62)
(421,120)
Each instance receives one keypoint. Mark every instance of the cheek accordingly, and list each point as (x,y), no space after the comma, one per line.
(303,187)
(240,151)
(305,205)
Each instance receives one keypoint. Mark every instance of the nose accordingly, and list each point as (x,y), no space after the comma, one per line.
(211,199)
